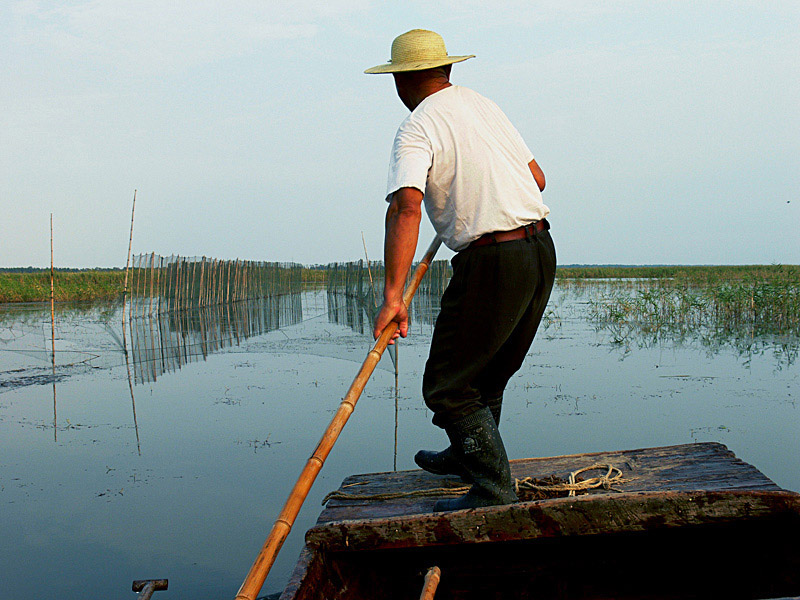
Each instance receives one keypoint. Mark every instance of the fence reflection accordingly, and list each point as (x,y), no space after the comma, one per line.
(165,342)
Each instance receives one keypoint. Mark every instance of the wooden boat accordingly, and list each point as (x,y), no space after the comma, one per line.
(691,521)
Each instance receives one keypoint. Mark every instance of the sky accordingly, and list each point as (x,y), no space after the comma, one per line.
(669,132)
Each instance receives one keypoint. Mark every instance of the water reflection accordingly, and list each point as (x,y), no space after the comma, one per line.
(236,432)
(162,343)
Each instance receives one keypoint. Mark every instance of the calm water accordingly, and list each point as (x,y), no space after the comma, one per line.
(175,463)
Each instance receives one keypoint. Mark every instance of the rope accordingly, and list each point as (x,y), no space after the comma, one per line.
(430,492)
(612,477)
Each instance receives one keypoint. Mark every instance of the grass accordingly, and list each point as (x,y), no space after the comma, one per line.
(687,274)
(765,295)
(68,285)
(760,300)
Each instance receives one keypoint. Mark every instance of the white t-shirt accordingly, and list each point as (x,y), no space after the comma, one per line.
(465,156)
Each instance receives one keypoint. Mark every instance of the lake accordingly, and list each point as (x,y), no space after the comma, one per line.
(175,461)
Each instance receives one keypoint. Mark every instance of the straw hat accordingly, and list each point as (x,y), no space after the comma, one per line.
(417,50)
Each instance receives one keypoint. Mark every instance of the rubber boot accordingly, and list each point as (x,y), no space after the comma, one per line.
(476,444)
(495,405)
(444,463)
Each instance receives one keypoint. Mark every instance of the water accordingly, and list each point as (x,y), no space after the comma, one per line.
(179,469)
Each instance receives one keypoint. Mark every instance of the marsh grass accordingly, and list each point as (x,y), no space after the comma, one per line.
(752,313)
(688,274)
(69,286)
(761,306)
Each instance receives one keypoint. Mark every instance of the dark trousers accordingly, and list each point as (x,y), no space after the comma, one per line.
(490,312)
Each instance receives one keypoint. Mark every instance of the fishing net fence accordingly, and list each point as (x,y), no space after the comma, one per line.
(171,283)
(355,292)
(184,308)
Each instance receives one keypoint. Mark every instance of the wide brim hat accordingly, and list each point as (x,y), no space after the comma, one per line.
(417,50)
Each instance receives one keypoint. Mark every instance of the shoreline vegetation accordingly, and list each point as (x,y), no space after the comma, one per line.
(33,285)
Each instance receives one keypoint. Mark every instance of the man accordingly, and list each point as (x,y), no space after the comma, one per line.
(482,188)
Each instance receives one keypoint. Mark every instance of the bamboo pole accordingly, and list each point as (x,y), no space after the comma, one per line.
(228,284)
(137,273)
(190,285)
(283,525)
(52,294)
(53,330)
(127,265)
(200,291)
(432,578)
(177,291)
(152,267)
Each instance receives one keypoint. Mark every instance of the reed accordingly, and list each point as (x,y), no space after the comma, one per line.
(769,305)
(692,274)
(69,286)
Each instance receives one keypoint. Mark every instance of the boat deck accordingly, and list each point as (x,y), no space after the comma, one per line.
(689,467)
(694,508)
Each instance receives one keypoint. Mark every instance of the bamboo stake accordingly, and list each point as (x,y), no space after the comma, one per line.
(228,284)
(190,285)
(283,525)
(133,405)
(127,264)
(53,329)
(159,284)
(396,401)
(137,272)
(152,266)
(369,272)
(179,285)
(432,578)
(52,293)
(201,290)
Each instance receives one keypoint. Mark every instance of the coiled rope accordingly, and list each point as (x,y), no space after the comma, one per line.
(612,477)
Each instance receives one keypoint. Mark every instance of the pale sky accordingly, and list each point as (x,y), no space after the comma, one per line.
(669,131)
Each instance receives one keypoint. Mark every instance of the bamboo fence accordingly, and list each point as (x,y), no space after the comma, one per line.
(355,292)
(164,284)
(183,308)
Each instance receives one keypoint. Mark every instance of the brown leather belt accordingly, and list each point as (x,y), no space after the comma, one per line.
(515,234)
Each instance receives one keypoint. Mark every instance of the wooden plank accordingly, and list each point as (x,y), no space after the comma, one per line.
(687,467)
(584,515)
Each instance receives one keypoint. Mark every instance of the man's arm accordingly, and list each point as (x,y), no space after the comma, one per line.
(402,230)
(537,173)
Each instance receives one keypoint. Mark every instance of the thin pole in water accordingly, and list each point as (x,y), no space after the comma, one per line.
(52,294)
(396,400)
(127,266)
(53,328)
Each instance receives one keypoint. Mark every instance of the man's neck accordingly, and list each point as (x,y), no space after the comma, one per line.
(428,89)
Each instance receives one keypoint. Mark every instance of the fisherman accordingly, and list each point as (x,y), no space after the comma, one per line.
(481,186)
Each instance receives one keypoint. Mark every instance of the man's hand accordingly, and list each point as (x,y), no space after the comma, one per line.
(390,312)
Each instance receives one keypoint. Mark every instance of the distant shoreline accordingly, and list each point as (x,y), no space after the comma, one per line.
(29,284)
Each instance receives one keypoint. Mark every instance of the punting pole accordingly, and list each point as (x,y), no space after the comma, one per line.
(283,525)
(432,578)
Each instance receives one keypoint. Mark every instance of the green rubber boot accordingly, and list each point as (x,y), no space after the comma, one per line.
(444,463)
(476,444)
